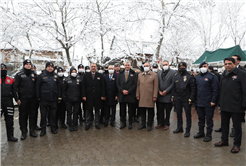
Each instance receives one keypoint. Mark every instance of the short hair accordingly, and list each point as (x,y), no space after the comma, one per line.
(111,65)
(127,62)
(165,61)
(238,57)
(93,63)
(229,59)
(117,64)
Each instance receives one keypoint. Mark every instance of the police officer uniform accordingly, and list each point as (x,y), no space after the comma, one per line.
(184,92)
(48,92)
(7,106)
(72,93)
(24,88)
(207,92)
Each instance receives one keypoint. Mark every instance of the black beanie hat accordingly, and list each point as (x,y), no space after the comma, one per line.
(26,61)
(49,64)
(3,66)
(80,66)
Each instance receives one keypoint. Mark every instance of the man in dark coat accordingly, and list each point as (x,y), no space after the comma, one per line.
(7,106)
(48,92)
(207,96)
(24,88)
(232,102)
(111,96)
(93,92)
(184,92)
(126,83)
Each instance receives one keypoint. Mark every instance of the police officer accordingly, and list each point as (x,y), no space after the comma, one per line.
(142,67)
(155,68)
(87,69)
(81,72)
(48,92)
(36,127)
(61,107)
(106,69)
(7,106)
(207,96)
(24,88)
(72,93)
(184,92)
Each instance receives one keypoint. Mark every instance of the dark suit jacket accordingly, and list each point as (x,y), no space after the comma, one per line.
(111,89)
(93,90)
(129,85)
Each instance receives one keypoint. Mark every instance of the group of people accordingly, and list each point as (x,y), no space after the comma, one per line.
(100,89)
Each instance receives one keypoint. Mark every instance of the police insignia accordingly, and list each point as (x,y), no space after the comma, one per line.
(185,78)
(77,80)
(8,81)
(55,76)
(234,77)
(32,75)
(206,79)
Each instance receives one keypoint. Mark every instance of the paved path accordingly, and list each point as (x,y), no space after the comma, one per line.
(112,146)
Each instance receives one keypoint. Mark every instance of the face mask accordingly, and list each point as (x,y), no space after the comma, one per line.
(81,70)
(146,69)
(88,71)
(106,69)
(203,70)
(100,71)
(73,74)
(60,74)
(165,68)
(155,70)
(181,70)
(111,71)
(3,73)
(55,71)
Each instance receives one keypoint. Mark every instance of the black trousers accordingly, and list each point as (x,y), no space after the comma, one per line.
(80,110)
(123,112)
(136,110)
(48,107)
(72,113)
(163,113)
(7,109)
(102,111)
(150,116)
(237,125)
(179,109)
(107,113)
(36,114)
(27,110)
(61,112)
(206,114)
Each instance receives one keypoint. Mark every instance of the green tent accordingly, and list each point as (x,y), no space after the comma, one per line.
(215,58)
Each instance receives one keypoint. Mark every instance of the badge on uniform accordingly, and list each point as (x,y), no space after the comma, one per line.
(33,79)
(8,81)
(44,77)
(150,77)
(234,77)
(54,79)
(32,75)
(113,78)
(185,78)
(131,75)
(98,78)
(177,81)
(55,76)
(206,79)
(77,80)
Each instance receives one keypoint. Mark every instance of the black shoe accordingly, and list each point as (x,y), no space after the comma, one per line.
(37,128)
(64,126)
(208,137)
(75,128)
(141,127)
(32,133)
(187,134)
(136,120)
(71,128)
(129,126)
(105,124)
(98,126)
(112,124)
(218,130)
(232,132)
(13,139)
(149,128)
(201,133)
(43,132)
(123,126)
(178,130)
(87,127)
(53,130)
(23,135)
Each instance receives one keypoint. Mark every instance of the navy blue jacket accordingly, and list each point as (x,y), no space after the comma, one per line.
(111,89)
(207,89)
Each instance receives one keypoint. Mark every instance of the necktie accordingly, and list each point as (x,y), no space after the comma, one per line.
(110,78)
(126,75)
(93,75)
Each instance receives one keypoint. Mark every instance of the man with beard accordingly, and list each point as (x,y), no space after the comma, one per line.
(24,89)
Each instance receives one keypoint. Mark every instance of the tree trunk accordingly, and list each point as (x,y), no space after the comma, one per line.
(68,57)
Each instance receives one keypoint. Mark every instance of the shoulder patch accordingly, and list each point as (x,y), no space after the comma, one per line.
(55,76)
(176,74)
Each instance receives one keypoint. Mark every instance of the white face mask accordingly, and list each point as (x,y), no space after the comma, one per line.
(155,70)
(146,69)
(55,71)
(165,68)
(73,74)
(110,71)
(88,71)
(60,74)
(203,70)
(81,70)
(100,71)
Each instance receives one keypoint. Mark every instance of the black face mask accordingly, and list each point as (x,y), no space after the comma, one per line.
(182,70)
(27,71)
(3,73)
